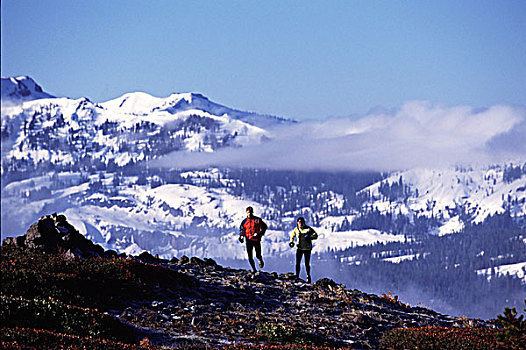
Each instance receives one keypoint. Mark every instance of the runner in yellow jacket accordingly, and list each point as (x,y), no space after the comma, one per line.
(305,236)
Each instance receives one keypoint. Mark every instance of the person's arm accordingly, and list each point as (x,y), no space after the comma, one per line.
(313,234)
(242,231)
(293,236)
(263,227)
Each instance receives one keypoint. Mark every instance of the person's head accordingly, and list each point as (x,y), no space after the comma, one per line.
(249,211)
(301,221)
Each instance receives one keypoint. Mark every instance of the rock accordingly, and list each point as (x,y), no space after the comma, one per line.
(210,262)
(16,242)
(147,257)
(326,283)
(53,233)
(110,254)
(363,321)
(197,262)
(43,235)
(261,277)
(69,255)
(287,276)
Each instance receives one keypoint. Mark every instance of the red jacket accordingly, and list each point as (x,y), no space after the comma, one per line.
(253,228)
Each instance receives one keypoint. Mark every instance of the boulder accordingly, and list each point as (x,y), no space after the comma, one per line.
(326,284)
(53,233)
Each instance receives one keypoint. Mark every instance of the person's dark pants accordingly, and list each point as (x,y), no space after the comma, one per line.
(299,254)
(251,245)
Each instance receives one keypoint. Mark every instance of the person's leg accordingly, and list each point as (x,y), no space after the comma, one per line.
(250,247)
(257,245)
(299,254)
(307,264)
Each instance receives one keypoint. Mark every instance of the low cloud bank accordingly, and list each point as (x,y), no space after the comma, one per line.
(417,134)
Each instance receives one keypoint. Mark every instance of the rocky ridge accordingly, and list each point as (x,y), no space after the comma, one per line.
(228,306)
(237,306)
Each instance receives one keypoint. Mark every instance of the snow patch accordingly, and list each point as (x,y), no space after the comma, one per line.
(518,270)
(348,239)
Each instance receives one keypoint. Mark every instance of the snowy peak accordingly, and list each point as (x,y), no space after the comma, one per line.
(141,103)
(22,88)
(132,128)
(138,103)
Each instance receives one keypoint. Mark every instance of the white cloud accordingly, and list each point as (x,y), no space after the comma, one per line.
(417,134)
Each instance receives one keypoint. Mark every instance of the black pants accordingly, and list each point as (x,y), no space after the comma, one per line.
(299,254)
(251,245)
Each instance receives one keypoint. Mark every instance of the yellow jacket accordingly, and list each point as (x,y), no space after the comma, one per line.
(305,236)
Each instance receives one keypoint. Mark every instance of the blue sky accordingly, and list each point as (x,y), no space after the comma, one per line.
(303,60)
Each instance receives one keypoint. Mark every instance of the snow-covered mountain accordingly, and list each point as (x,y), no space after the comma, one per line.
(21,89)
(140,103)
(451,195)
(86,159)
(133,128)
(170,220)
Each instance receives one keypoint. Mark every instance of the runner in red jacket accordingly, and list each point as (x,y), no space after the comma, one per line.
(252,228)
